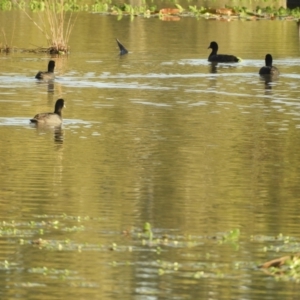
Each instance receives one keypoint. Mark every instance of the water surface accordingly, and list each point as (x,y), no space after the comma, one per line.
(156,136)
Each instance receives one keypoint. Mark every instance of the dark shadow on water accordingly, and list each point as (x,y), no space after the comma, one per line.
(267,80)
(57,131)
(213,68)
(50,85)
(58,135)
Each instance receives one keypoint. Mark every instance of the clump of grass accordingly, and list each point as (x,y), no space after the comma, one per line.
(56,21)
(4,46)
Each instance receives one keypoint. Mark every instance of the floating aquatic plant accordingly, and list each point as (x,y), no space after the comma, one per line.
(148,231)
(101,6)
(161,244)
(286,267)
(6,5)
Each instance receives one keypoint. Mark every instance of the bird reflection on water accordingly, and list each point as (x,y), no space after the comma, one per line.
(50,85)
(58,135)
(213,68)
(268,80)
(57,132)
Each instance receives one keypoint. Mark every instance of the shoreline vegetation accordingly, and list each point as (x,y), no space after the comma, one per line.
(56,18)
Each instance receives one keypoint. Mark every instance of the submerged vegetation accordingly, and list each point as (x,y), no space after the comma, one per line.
(123,247)
(56,18)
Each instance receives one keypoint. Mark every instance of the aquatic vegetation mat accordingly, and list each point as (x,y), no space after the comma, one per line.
(149,9)
(56,18)
(188,256)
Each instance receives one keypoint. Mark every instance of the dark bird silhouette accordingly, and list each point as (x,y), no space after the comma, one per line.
(54,118)
(215,57)
(123,50)
(268,69)
(48,75)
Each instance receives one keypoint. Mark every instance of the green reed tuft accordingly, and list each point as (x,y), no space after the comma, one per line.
(55,20)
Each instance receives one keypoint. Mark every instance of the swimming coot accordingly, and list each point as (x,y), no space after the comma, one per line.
(54,118)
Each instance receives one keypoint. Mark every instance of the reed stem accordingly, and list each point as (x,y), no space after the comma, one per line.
(56,24)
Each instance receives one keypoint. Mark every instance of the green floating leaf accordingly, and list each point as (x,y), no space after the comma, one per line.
(148,231)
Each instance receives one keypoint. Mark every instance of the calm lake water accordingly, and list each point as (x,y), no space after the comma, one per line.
(156,136)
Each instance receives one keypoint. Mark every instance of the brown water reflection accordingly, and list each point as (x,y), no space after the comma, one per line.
(157,137)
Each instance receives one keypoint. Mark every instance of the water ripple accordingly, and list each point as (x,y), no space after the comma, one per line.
(21,121)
